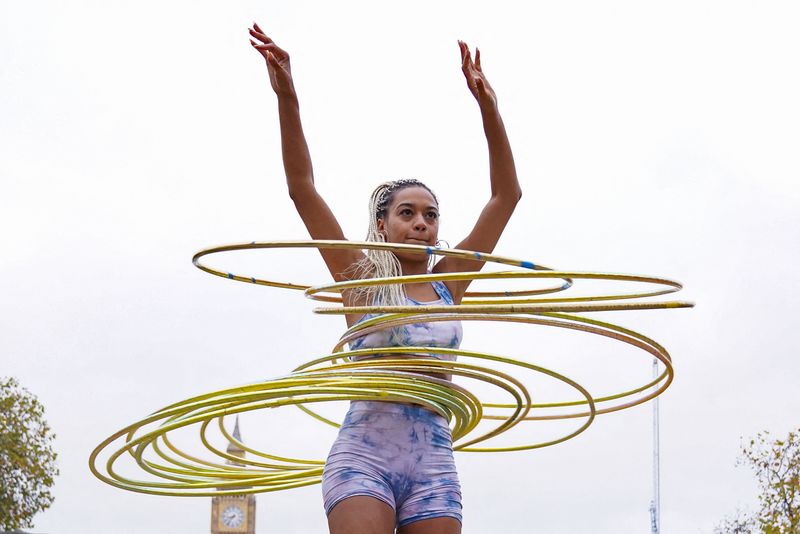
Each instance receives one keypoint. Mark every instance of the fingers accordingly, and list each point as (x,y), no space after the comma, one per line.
(476,81)
(264,49)
(266,46)
(466,57)
(268,54)
(272,53)
(259,35)
(466,60)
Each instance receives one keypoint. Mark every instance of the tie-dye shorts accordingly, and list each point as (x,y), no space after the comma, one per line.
(399,453)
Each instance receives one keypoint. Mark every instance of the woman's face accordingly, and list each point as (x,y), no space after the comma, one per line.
(412,217)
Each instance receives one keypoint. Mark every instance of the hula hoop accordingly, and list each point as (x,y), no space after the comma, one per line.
(401,377)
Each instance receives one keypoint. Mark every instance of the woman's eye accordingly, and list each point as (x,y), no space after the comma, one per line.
(433,214)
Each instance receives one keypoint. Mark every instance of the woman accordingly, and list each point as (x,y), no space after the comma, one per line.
(392,464)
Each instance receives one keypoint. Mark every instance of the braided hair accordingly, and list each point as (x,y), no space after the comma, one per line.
(383,263)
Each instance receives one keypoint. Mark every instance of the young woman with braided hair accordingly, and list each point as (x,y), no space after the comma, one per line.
(391,466)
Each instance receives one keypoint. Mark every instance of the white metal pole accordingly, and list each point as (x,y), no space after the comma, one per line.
(655,505)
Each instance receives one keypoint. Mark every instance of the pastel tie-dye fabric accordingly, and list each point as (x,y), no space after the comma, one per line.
(446,334)
(401,454)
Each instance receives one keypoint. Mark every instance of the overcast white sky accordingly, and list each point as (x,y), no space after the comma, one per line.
(655,139)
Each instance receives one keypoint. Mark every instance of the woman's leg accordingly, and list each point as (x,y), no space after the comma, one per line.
(364,515)
(431,503)
(437,525)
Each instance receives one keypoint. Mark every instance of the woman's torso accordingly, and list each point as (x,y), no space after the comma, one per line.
(444,334)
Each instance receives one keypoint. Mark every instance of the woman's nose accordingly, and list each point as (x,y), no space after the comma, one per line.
(419,223)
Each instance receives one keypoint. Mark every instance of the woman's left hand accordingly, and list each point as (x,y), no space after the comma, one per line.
(476,80)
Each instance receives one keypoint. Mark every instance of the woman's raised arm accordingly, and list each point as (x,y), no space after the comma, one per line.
(505,189)
(316,215)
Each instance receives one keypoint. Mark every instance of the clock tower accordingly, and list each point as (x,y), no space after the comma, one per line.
(234,514)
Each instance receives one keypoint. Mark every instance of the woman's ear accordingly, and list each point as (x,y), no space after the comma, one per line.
(381,227)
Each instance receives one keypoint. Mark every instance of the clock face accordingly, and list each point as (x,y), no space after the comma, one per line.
(232,516)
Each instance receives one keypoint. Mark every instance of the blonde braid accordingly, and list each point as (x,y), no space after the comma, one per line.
(379,263)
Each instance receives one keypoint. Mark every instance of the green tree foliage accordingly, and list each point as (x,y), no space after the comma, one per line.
(776,464)
(27,459)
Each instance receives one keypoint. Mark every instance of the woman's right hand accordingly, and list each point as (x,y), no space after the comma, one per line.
(280,71)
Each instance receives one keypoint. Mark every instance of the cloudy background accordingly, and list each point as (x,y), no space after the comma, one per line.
(655,139)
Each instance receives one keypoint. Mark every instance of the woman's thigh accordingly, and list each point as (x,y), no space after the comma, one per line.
(437,525)
(363,515)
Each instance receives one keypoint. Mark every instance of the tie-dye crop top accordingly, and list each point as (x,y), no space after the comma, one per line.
(446,334)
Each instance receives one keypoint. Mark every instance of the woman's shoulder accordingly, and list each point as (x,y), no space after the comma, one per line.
(443,291)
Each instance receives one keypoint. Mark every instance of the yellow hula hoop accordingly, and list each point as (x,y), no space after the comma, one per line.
(403,377)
